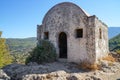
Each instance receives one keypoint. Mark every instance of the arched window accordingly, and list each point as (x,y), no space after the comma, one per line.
(100,33)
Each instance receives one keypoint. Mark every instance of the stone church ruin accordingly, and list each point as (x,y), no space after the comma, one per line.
(76,35)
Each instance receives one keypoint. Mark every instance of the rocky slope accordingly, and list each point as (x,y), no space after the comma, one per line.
(58,71)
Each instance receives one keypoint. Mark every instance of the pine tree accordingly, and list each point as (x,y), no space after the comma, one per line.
(5,57)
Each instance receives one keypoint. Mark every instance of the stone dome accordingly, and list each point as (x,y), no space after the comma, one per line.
(65,9)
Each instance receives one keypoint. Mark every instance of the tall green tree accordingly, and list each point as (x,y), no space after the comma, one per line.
(5,57)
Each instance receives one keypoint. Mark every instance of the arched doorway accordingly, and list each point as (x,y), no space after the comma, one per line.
(62,45)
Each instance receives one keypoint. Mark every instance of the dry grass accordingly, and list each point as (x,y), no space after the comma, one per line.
(94,66)
(109,58)
(86,66)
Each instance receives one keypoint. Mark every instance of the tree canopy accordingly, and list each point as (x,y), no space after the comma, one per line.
(5,57)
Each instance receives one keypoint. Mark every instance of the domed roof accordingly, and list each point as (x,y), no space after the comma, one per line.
(69,5)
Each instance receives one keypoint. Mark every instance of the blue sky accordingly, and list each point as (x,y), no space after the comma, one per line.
(18,18)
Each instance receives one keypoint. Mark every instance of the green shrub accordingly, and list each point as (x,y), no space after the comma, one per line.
(45,52)
(118,51)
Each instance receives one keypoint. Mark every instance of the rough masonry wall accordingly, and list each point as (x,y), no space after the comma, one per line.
(67,18)
(39,32)
(101,39)
(91,40)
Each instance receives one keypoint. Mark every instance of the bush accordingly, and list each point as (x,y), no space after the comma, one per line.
(45,52)
(118,51)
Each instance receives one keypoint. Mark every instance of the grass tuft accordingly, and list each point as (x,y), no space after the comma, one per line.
(87,66)
(109,58)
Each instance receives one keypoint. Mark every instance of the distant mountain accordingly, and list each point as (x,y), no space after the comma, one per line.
(114,43)
(17,45)
(113,31)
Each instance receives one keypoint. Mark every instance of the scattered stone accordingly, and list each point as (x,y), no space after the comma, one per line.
(3,75)
(95,78)
(104,63)
(58,73)
(74,76)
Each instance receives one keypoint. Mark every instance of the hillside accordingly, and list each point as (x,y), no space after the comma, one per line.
(21,45)
(113,31)
(114,43)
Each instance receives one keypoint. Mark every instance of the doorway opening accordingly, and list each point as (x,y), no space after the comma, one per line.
(62,45)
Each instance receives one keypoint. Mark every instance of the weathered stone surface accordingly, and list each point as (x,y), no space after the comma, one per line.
(57,71)
(74,76)
(109,67)
(67,18)
(57,75)
(115,55)
(16,71)
(3,75)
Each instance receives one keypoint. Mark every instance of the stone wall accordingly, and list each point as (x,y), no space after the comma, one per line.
(91,40)
(101,44)
(67,17)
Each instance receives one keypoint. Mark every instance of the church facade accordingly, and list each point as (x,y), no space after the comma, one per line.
(76,35)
